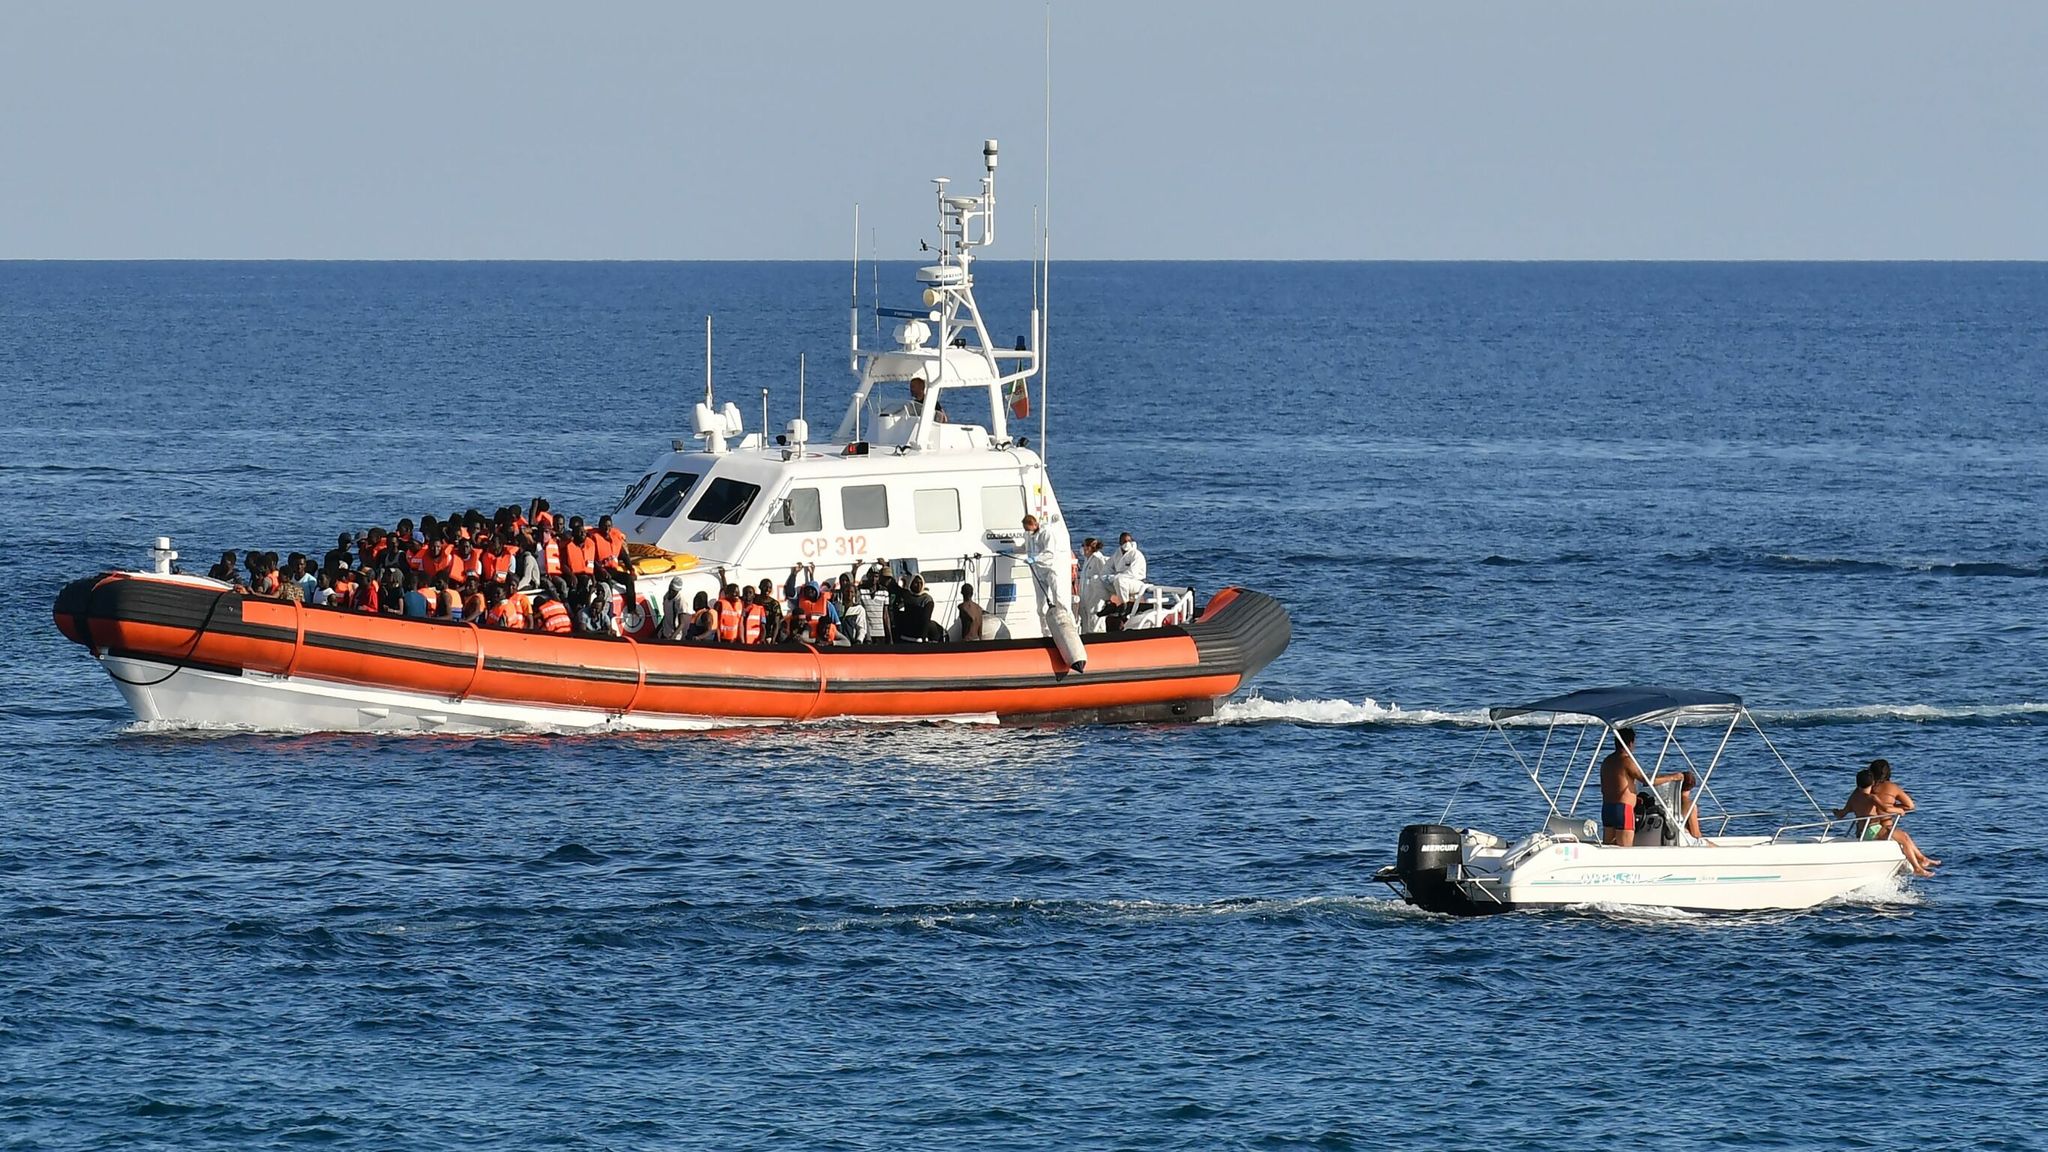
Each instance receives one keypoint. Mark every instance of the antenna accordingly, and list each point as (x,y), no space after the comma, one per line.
(853,319)
(707,360)
(764,419)
(800,365)
(1045,246)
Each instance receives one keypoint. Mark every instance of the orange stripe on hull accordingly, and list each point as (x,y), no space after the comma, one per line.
(182,623)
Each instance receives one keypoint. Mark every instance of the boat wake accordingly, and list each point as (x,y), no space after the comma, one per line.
(2024,713)
(1891,892)
(987,915)
(1257,709)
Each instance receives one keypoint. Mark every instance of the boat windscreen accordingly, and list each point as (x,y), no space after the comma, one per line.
(725,501)
(667,495)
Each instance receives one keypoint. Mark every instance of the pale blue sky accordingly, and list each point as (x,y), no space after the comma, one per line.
(1181,130)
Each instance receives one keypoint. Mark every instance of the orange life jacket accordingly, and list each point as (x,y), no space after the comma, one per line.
(550,559)
(825,631)
(545,520)
(602,548)
(579,559)
(810,611)
(495,569)
(554,617)
(750,628)
(728,620)
(520,608)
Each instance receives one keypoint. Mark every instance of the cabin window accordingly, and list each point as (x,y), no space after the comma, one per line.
(799,512)
(725,501)
(938,509)
(1002,508)
(667,495)
(864,506)
(633,493)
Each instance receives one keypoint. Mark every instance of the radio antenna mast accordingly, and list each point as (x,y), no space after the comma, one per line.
(1045,248)
(853,320)
(707,361)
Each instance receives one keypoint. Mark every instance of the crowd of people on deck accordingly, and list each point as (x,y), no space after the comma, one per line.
(530,569)
(523,569)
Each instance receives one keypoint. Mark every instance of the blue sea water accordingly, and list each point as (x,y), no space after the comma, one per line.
(1819,485)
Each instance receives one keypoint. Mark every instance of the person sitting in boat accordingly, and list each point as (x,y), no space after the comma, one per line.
(868,621)
(225,570)
(474,605)
(702,627)
(1128,568)
(917,389)
(1891,802)
(973,622)
(675,615)
(913,612)
(551,615)
(342,555)
(263,577)
(1619,775)
(414,601)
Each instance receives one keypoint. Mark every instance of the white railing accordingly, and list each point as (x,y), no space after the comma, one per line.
(1158,607)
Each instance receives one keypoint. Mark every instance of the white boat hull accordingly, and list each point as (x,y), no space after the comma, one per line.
(1741,875)
(163,695)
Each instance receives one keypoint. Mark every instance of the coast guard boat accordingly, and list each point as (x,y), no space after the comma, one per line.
(1471,872)
(924,469)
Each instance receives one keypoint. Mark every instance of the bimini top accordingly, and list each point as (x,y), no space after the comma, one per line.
(1627,704)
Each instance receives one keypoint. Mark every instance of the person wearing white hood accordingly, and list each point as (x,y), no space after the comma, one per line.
(1096,568)
(1127,571)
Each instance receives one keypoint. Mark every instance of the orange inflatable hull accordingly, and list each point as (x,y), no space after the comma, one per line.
(1174,673)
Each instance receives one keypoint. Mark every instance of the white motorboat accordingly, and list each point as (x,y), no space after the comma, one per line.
(1564,862)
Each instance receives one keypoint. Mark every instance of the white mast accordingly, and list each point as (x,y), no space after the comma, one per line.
(853,317)
(1045,296)
(707,361)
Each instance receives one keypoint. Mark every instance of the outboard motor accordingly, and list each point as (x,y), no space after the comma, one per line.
(1427,860)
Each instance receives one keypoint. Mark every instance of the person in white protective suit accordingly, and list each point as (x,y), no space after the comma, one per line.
(1127,571)
(1095,573)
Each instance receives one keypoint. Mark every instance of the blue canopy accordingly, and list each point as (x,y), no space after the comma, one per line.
(1628,704)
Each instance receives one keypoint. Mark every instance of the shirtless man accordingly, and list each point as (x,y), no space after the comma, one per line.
(1619,775)
(1893,801)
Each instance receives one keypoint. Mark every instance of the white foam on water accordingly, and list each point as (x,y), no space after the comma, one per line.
(1256,709)
(1647,913)
(1891,892)
(1914,713)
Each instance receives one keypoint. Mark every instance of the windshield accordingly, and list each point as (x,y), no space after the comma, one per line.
(725,501)
(667,495)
